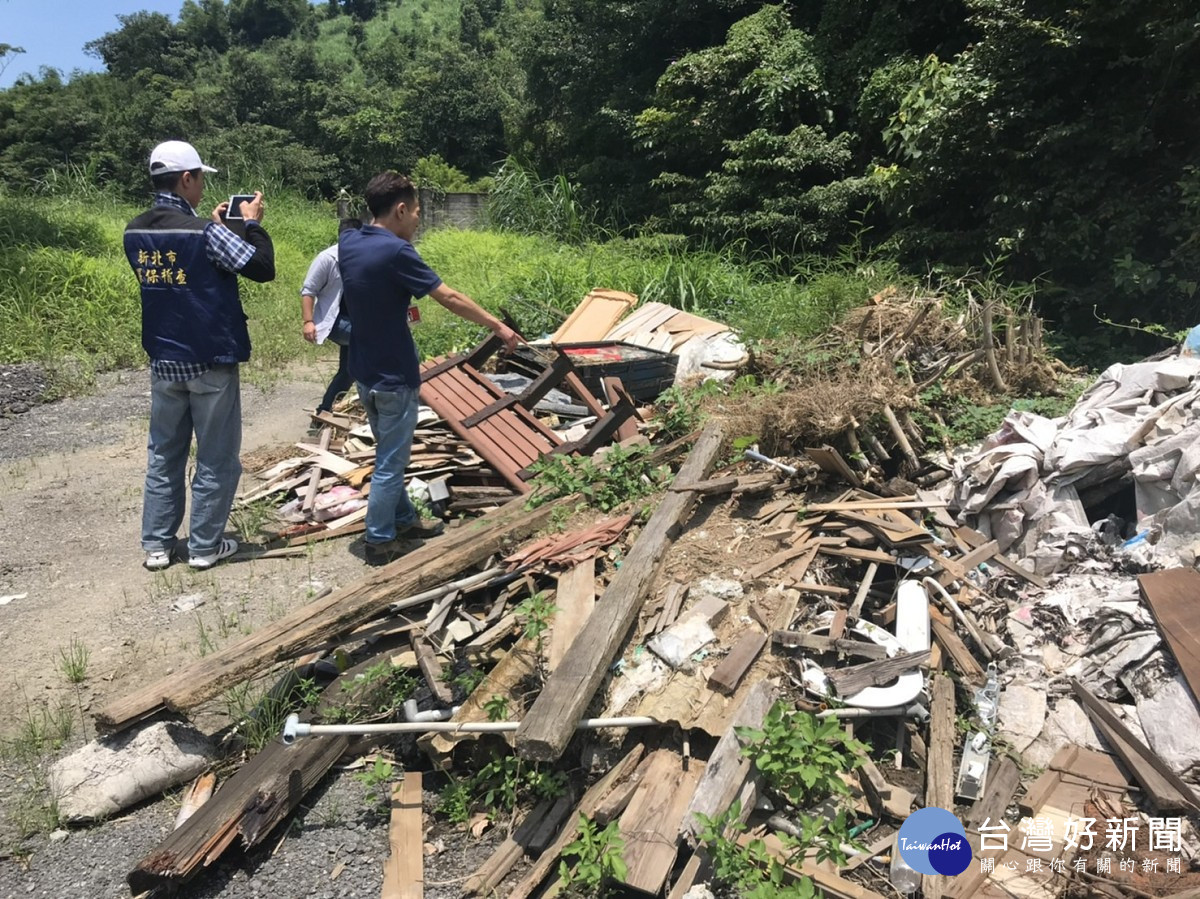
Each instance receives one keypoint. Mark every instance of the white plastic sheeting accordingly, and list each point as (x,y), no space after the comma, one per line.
(1019,488)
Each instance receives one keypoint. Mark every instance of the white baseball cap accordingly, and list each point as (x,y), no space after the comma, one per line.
(175,156)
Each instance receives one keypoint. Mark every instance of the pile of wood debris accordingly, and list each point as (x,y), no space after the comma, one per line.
(678,626)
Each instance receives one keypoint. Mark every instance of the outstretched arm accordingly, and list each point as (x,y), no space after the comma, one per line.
(465,307)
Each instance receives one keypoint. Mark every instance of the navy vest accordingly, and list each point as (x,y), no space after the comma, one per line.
(191,311)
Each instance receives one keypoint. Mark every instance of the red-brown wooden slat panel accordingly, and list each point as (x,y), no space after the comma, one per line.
(458,407)
(520,411)
(505,422)
(491,454)
(498,428)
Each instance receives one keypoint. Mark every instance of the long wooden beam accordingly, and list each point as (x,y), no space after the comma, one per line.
(434,563)
(549,725)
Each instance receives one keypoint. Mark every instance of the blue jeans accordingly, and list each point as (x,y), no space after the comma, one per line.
(210,405)
(339,334)
(393,419)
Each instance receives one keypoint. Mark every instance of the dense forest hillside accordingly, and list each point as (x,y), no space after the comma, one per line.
(1045,141)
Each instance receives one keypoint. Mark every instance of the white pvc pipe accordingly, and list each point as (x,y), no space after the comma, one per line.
(295,728)
(916,710)
(960,615)
(767,460)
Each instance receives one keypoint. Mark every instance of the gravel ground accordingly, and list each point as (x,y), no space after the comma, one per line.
(22,387)
(29,428)
(74,467)
(334,833)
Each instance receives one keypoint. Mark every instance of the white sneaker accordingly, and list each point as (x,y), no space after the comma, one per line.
(157,560)
(226,549)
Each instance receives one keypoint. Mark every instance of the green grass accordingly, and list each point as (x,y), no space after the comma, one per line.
(67,293)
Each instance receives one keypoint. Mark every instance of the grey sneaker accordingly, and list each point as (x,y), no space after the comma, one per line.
(227,548)
(157,560)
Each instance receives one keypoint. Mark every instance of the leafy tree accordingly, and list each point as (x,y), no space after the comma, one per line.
(1065,139)
(743,132)
(47,123)
(7,53)
(255,21)
(205,24)
(145,41)
(590,69)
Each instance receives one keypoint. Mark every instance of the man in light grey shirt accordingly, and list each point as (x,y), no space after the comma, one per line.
(325,317)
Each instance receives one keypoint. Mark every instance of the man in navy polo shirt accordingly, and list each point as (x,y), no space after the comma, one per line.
(194,330)
(381,274)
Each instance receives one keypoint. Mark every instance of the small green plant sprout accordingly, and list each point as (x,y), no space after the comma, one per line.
(625,474)
(465,681)
(593,860)
(801,756)
(73,661)
(747,866)
(497,708)
(535,614)
(377,778)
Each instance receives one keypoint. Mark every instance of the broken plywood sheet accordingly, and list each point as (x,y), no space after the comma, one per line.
(595,315)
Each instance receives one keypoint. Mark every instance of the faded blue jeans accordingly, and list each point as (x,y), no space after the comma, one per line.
(211,406)
(340,334)
(393,419)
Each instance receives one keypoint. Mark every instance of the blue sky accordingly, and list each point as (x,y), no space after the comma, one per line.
(53,32)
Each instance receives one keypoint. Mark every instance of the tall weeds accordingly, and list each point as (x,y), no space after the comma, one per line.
(66,291)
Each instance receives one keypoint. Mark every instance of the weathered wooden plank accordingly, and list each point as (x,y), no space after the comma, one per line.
(249,805)
(1163,786)
(960,657)
(837,627)
(817,643)
(549,725)
(970,561)
(939,768)
(650,825)
(545,816)
(864,587)
(863,555)
(727,675)
(316,622)
(430,668)
(575,599)
(850,680)
(404,870)
(973,538)
(1003,779)
(777,559)
(727,769)
(1174,599)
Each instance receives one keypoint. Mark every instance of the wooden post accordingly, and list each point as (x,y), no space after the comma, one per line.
(939,768)
(989,350)
(550,723)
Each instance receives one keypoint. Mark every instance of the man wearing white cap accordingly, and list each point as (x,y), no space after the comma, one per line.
(194,330)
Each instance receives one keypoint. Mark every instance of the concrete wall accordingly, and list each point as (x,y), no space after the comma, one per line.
(452,210)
